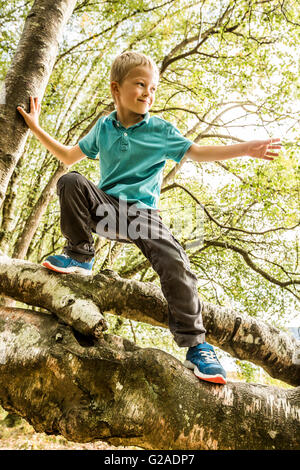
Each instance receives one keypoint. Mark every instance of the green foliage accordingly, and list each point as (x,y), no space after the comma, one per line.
(250,373)
(12,16)
(247,371)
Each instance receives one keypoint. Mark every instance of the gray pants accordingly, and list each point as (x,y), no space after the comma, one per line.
(85,209)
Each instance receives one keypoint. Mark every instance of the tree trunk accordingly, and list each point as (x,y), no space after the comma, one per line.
(8,211)
(79,301)
(31,225)
(28,75)
(109,389)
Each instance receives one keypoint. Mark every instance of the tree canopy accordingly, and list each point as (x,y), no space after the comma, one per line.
(228,73)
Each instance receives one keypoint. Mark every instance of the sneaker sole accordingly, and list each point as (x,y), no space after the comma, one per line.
(73,269)
(217,379)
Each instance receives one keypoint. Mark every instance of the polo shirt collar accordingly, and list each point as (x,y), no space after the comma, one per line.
(113,117)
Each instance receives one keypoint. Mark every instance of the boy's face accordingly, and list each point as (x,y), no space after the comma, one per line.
(137,91)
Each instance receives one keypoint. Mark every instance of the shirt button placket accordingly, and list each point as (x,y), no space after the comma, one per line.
(124,142)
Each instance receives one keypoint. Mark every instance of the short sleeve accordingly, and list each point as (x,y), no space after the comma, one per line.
(90,144)
(177,144)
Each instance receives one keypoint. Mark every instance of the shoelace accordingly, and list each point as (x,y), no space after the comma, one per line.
(209,356)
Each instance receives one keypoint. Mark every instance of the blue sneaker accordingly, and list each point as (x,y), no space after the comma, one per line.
(65,264)
(203,361)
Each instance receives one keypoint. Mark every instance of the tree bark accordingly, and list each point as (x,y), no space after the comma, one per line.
(79,301)
(110,389)
(31,225)
(8,219)
(40,288)
(28,75)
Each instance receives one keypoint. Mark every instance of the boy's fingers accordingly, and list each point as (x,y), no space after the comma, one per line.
(267,158)
(33,101)
(21,110)
(274,143)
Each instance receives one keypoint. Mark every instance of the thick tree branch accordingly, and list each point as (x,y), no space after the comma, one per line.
(241,335)
(37,286)
(112,390)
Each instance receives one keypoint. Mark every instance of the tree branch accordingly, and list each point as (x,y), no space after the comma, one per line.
(110,389)
(228,228)
(250,263)
(34,285)
(241,335)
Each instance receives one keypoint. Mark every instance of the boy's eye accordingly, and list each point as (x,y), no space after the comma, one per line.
(152,89)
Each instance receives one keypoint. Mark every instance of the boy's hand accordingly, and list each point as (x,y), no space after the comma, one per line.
(261,148)
(31,118)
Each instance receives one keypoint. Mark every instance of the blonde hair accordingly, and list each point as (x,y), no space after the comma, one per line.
(127,61)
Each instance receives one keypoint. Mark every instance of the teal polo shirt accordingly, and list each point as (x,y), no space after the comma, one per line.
(132,160)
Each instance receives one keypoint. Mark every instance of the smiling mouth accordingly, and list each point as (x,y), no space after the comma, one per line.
(144,101)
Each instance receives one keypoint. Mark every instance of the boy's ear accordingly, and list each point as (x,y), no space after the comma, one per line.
(114,87)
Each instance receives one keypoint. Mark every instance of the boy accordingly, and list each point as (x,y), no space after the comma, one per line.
(133,150)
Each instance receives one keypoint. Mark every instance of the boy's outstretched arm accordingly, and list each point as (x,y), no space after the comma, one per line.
(67,155)
(254,148)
